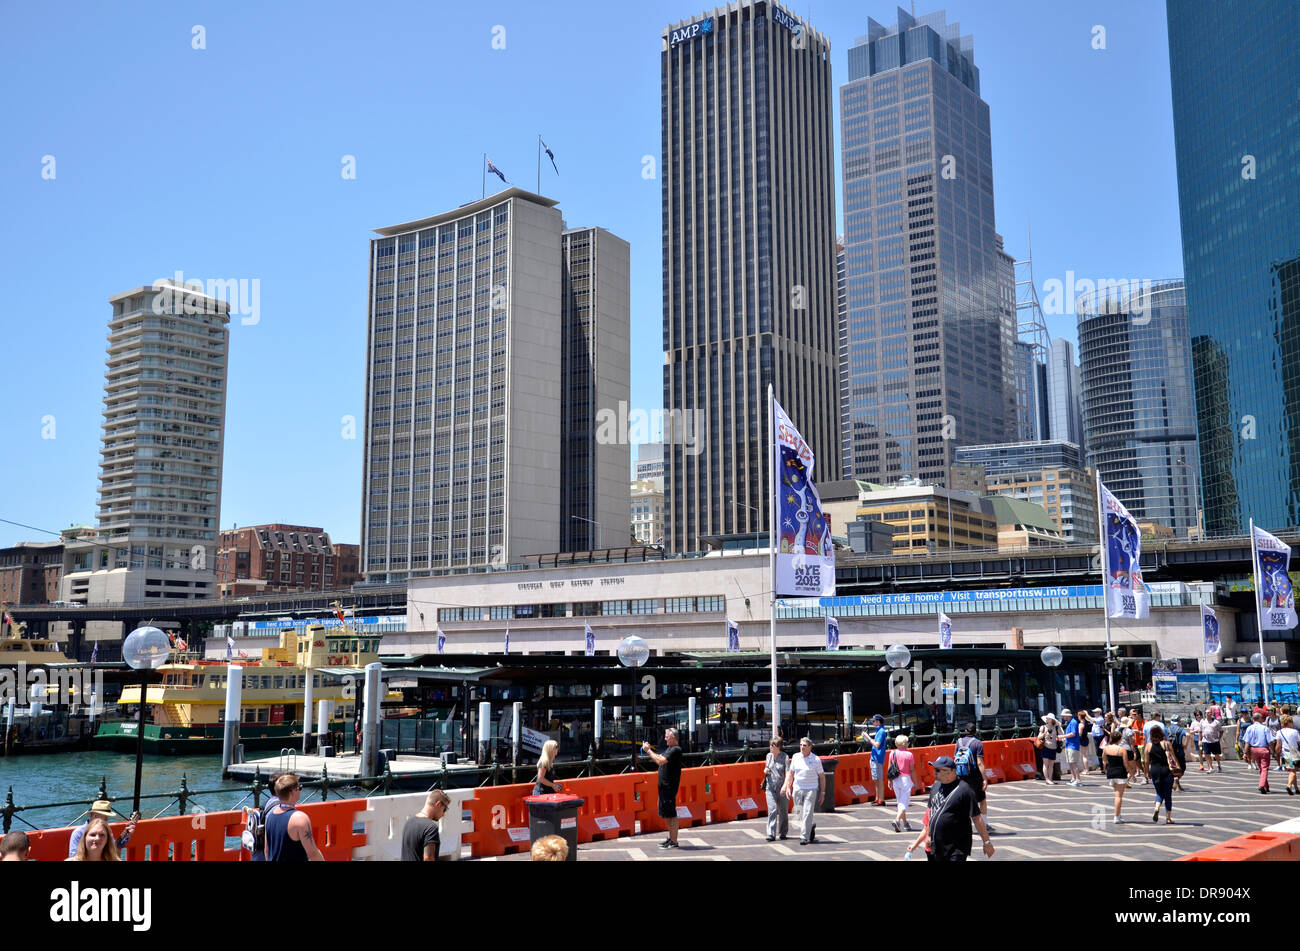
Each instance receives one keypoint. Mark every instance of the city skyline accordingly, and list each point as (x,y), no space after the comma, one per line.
(305,315)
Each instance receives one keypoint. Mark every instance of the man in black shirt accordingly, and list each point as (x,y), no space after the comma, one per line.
(670,777)
(953,807)
(420,839)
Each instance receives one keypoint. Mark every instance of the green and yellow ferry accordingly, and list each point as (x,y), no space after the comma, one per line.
(186,709)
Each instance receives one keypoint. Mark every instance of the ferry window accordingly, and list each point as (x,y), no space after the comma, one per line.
(333,647)
(263,714)
(315,680)
(198,681)
(279,683)
(250,716)
(266,682)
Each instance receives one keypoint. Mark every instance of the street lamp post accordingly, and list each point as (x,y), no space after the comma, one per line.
(632,653)
(144,649)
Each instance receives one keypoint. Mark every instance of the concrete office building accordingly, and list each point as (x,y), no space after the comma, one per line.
(1138,404)
(1047,472)
(647,512)
(1233,67)
(595,324)
(1064,397)
(473,399)
(748,258)
(160,469)
(650,463)
(930,324)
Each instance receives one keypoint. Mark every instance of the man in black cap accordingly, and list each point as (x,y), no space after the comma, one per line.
(953,808)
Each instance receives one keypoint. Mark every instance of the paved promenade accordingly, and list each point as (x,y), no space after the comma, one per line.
(1031,821)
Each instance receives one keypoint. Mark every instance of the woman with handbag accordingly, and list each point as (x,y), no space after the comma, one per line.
(778,807)
(1162,767)
(1049,736)
(903,779)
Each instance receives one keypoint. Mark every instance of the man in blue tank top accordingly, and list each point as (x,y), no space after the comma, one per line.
(288,831)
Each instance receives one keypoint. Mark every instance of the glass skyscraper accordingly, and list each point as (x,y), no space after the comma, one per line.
(930,320)
(749,285)
(1233,67)
(1139,413)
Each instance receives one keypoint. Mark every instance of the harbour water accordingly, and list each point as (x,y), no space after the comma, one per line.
(61,777)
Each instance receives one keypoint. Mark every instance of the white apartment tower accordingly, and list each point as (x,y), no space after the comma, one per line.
(160,471)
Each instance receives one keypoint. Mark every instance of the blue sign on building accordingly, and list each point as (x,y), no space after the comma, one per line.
(698,28)
(784,19)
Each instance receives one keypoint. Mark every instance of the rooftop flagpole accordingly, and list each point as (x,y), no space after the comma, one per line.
(539,163)
(483,194)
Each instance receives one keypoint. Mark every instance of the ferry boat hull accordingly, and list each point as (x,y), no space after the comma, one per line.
(185,741)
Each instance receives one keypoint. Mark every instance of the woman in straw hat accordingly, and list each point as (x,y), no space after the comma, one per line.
(102,809)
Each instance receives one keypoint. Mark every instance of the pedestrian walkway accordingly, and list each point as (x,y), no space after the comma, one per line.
(1031,821)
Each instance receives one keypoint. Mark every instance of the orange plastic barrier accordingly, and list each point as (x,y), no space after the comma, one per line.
(213,836)
(335,827)
(500,818)
(1014,757)
(737,792)
(1254,847)
(611,807)
(692,800)
(197,838)
(853,782)
(51,845)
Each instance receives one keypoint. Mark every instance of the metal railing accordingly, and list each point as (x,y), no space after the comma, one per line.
(498,772)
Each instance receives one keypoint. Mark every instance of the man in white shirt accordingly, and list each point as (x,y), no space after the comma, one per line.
(807,780)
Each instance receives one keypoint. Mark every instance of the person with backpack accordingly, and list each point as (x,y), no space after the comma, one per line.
(1162,766)
(968,761)
(254,837)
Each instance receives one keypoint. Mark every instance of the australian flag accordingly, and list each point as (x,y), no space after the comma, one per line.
(549,154)
(442,641)
(591,641)
(945,631)
(733,636)
(832,633)
(495,171)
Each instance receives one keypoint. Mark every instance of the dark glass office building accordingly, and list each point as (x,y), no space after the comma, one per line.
(930,326)
(749,283)
(1139,413)
(1234,66)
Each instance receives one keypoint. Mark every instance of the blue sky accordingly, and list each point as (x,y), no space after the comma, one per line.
(225,163)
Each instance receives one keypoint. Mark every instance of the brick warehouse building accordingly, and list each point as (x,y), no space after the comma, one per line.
(30,572)
(268,558)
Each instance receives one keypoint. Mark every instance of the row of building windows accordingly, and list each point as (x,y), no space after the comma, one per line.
(705,604)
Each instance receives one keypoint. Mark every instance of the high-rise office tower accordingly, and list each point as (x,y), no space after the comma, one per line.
(1139,412)
(1064,397)
(749,259)
(1233,66)
(595,321)
(476,317)
(160,471)
(931,325)
(1031,394)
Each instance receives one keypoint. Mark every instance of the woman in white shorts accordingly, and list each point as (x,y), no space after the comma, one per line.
(1117,758)
(903,762)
